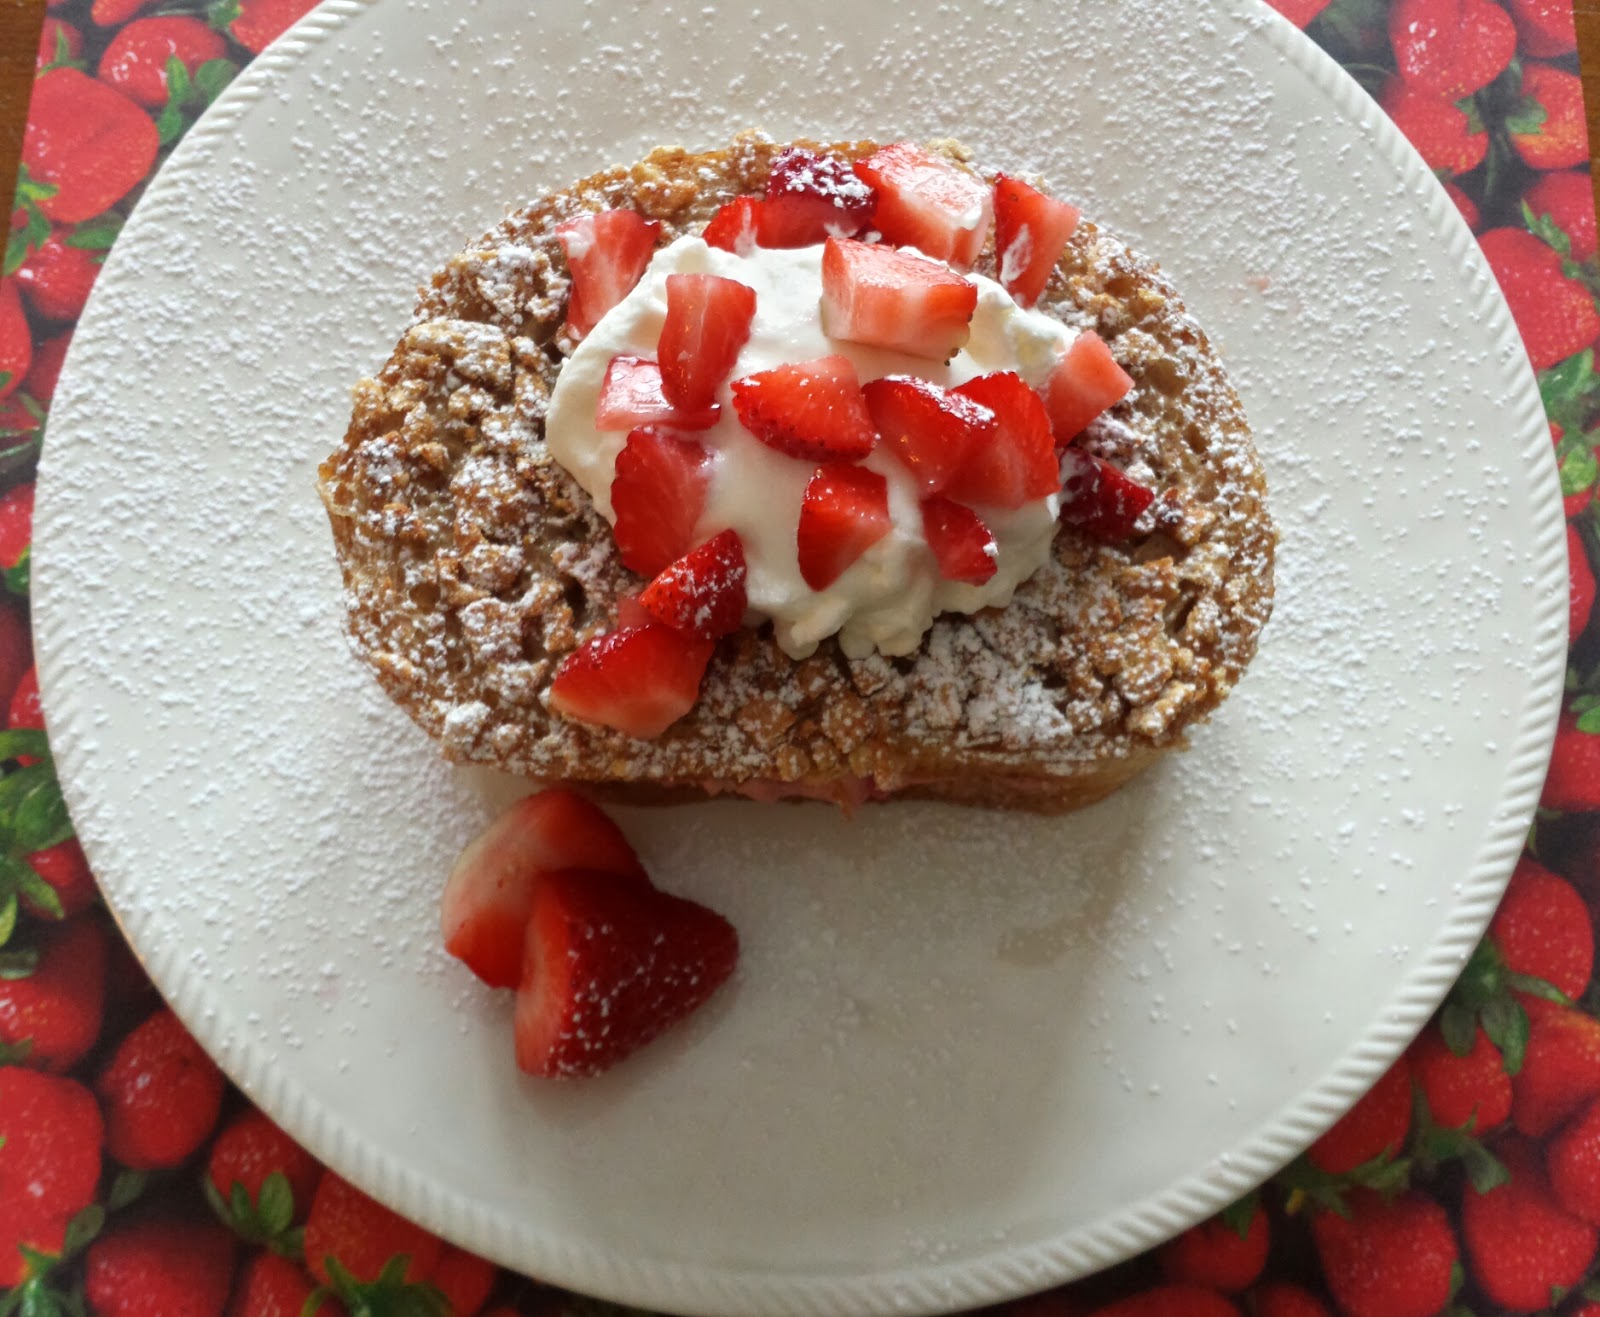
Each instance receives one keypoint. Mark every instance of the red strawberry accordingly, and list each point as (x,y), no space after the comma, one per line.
(606,252)
(50,1158)
(161,1094)
(927,202)
(891,299)
(963,546)
(1020,464)
(1439,129)
(639,681)
(484,911)
(1461,1091)
(844,513)
(1101,501)
(1572,781)
(48,356)
(16,524)
(657,496)
(708,322)
(1375,1127)
(25,709)
(631,395)
(59,41)
(57,276)
(1581,585)
(16,339)
(136,61)
(1567,200)
(463,1278)
(1451,48)
(1562,139)
(1560,1068)
(733,227)
(1465,204)
(812,410)
(271,1285)
(16,650)
(811,197)
(22,1227)
(1030,233)
(88,141)
(1520,1244)
(609,964)
(1572,1160)
(1172,1301)
(1299,12)
(66,869)
(1544,27)
(1542,929)
(1555,314)
(703,593)
(1215,1254)
(933,431)
(1281,1299)
(113,13)
(1388,1257)
(160,1268)
(260,1177)
(1084,383)
(58,1008)
(261,22)
(362,1236)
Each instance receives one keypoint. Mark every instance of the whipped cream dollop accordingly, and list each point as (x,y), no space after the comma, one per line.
(887,599)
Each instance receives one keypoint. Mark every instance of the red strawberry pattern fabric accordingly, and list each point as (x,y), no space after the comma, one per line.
(133,1179)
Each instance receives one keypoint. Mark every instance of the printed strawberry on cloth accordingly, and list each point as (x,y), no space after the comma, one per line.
(135,1182)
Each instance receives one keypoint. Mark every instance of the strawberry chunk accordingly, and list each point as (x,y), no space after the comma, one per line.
(606,254)
(927,202)
(708,321)
(811,197)
(962,544)
(930,429)
(704,591)
(733,227)
(1098,499)
(637,680)
(489,894)
(657,496)
(812,410)
(844,513)
(609,964)
(1085,382)
(1030,233)
(891,299)
(631,395)
(1019,464)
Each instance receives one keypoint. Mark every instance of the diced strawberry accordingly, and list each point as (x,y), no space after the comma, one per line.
(639,681)
(733,227)
(927,202)
(703,591)
(708,321)
(891,299)
(1098,499)
(1019,464)
(610,964)
(932,430)
(489,894)
(844,513)
(657,496)
(606,254)
(631,395)
(812,410)
(963,545)
(1085,382)
(1030,233)
(811,197)
(631,613)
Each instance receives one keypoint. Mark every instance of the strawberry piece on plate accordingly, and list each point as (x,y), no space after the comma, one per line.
(708,321)
(811,197)
(638,680)
(844,513)
(606,254)
(1030,233)
(1019,464)
(733,227)
(927,202)
(1085,382)
(1098,499)
(631,395)
(609,964)
(812,410)
(930,429)
(962,544)
(704,591)
(885,298)
(489,894)
(657,496)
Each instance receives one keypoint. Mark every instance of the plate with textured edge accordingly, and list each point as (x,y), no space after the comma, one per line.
(966,1055)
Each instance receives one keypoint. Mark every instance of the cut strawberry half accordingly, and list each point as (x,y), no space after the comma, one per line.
(844,513)
(812,410)
(606,254)
(608,965)
(1097,498)
(708,321)
(631,395)
(489,894)
(638,680)
(1085,382)
(931,430)
(704,591)
(1030,233)
(962,544)
(891,299)
(811,197)
(733,227)
(928,203)
(1019,464)
(657,496)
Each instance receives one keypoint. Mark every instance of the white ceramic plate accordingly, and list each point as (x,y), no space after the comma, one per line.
(966,1054)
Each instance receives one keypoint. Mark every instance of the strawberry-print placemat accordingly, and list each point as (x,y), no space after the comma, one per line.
(134,1182)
